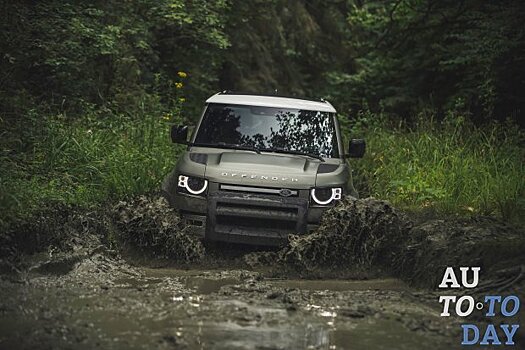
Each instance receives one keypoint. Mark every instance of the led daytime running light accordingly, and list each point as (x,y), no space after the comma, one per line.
(183,182)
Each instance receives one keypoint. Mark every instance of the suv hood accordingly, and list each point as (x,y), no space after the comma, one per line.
(265,169)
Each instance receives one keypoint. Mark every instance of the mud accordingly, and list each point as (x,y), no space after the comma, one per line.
(484,242)
(152,224)
(370,236)
(53,239)
(105,303)
(130,277)
(362,233)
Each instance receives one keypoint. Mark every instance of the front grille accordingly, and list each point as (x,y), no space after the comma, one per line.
(256,214)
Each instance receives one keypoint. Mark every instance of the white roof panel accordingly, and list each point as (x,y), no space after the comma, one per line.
(272,101)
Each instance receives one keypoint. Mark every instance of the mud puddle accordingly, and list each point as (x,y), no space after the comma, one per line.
(200,282)
(104,304)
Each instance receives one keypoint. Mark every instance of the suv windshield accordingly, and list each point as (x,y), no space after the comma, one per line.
(269,128)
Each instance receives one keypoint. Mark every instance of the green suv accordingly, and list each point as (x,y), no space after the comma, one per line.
(259,167)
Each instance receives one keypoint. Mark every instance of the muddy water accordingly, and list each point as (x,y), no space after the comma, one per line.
(82,295)
(104,303)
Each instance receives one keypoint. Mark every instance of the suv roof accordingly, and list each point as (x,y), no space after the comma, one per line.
(271,101)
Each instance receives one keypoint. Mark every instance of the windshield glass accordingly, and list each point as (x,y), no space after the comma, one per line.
(269,127)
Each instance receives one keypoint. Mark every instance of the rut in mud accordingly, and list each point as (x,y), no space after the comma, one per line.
(105,303)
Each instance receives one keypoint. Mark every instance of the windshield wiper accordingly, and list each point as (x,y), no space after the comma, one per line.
(282,150)
(228,146)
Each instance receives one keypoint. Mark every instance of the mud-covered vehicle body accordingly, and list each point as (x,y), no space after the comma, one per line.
(258,168)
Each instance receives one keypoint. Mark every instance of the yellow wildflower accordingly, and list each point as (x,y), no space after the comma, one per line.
(182,74)
(182,99)
(178,85)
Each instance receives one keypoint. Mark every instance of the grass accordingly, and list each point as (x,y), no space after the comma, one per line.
(84,162)
(451,166)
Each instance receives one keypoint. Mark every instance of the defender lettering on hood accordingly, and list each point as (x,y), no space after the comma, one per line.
(260,177)
(268,166)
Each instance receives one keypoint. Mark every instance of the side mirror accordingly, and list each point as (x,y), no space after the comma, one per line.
(356,148)
(179,134)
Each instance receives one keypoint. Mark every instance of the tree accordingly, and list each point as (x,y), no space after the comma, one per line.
(416,54)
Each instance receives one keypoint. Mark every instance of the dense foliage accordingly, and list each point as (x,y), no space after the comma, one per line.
(72,54)
(398,56)
(415,55)
(449,166)
(88,89)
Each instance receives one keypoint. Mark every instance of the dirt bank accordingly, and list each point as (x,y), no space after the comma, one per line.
(485,242)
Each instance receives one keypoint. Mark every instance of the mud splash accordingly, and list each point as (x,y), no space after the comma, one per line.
(150,223)
(57,237)
(357,239)
(364,232)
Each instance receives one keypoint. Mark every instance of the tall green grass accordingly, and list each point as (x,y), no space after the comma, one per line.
(85,161)
(449,166)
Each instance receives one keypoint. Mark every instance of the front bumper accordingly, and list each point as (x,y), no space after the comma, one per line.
(250,218)
(255,219)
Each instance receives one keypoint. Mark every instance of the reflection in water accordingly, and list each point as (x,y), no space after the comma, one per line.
(269,127)
(230,335)
(208,285)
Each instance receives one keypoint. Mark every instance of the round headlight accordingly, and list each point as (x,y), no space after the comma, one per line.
(324,196)
(194,185)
